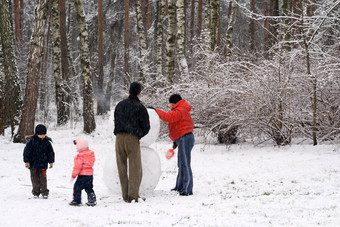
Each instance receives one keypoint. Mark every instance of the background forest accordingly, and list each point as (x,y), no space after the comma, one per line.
(258,69)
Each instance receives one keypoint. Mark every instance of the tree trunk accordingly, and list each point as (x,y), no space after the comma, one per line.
(100,92)
(266,31)
(17,23)
(252,27)
(171,42)
(286,20)
(276,14)
(11,89)
(149,18)
(142,41)
(159,37)
(207,16)
(66,67)
(192,20)
(88,113)
(199,17)
(26,126)
(181,59)
(2,90)
(62,106)
(126,42)
(214,18)
(230,30)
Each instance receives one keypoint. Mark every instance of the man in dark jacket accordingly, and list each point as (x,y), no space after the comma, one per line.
(38,153)
(131,124)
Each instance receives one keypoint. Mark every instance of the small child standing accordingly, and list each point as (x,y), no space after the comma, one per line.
(38,152)
(83,168)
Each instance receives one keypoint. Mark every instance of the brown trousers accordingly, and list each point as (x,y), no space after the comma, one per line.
(39,181)
(128,149)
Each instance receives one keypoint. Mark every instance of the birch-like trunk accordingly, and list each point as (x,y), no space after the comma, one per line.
(171,42)
(66,67)
(126,42)
(215,16)
(181,59)
(88,112)
(230,30)
(26,126)
(159,37)
(142,41)
(62,107)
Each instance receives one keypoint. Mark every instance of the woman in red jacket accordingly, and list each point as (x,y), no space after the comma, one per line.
(181,126)
(83,170)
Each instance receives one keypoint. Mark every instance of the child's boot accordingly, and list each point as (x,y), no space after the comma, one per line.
(74,203)
(91,199)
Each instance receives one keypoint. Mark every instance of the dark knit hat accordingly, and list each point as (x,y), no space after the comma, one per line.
(135,88)
(175,98)
(40,130)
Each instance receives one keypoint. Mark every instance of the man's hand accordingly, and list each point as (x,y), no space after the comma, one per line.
(51,165)
(27,165)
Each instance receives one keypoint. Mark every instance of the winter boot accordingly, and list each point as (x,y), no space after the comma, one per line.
(74,203)
(91,199)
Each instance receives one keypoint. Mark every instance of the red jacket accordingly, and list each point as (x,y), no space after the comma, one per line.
(83,163)
(178,118)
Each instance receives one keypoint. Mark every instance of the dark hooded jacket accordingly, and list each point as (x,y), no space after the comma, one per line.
(131,117)
(39,152)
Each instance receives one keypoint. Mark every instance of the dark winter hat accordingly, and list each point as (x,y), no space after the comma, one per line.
(175,98)
(40,130)
(135,88)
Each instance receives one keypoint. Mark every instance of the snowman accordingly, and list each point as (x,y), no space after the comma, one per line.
(151,164)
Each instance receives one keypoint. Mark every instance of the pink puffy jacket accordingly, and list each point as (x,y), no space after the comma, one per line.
(84,161)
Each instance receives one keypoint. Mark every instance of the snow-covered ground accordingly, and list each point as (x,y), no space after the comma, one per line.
(239,185)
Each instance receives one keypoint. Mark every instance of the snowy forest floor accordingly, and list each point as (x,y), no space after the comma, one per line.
(238,185)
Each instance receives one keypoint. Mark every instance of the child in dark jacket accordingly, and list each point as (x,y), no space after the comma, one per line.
(83,170)
(38,153)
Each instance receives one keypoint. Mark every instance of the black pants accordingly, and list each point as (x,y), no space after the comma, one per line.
(83,182)
(39,181)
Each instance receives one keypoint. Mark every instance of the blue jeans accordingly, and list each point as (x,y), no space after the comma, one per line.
(184,182)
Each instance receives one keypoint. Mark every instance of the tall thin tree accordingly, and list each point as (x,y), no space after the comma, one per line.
(88,112)
(100,89)
(171,42)
(26,126)
(126,41)
(159,36)
(11,89)
(230,29)
(66,67)
(142,40)
(62,105)
(181,58)
(252,27)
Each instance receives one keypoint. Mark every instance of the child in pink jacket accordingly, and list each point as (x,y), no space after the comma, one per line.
(83,168)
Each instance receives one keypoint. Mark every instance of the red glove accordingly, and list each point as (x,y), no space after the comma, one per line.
(170,153)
